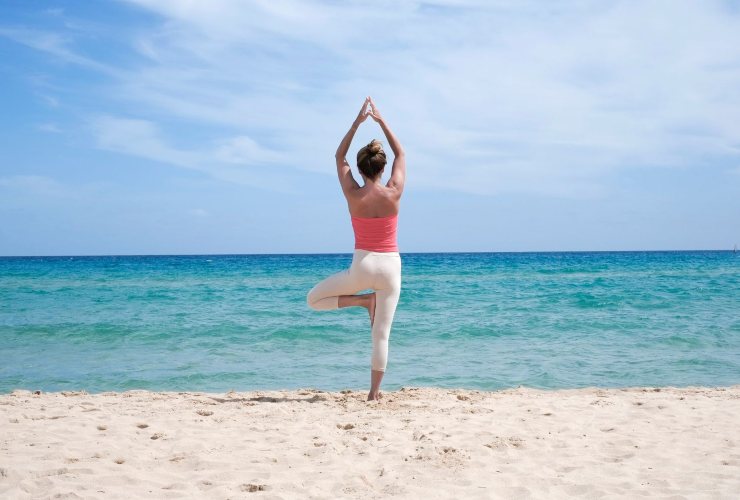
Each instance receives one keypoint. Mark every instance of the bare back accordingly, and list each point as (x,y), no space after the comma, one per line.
(373,200)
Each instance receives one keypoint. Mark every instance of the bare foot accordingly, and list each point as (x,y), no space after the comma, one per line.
(371,308)
(372,396)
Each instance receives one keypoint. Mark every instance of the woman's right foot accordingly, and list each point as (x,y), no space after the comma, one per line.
(376,377)
(373,396)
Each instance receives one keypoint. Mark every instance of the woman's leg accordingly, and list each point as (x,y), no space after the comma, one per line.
(338,290)
(385,308)
(325,295)
(386,301)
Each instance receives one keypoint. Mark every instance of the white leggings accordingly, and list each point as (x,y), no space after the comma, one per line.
(380,271)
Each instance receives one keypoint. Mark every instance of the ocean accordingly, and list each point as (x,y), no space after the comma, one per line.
(470,320)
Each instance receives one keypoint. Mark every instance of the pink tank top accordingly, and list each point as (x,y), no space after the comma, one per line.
(376,234)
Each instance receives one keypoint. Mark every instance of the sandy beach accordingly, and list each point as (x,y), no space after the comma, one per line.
(414,443)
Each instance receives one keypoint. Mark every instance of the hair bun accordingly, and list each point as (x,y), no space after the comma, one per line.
(374,147)
(371,159)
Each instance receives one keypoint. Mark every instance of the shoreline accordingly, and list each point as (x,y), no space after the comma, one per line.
(345,390)
(417,441)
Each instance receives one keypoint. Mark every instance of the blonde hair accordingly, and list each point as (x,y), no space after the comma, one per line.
(371,159)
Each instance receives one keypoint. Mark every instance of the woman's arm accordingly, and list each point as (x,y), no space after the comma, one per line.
(344,171)
(398,171)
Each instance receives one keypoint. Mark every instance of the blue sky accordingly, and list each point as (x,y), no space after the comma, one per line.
(163,126)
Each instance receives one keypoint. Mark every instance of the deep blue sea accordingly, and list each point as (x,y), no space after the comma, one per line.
(473,320)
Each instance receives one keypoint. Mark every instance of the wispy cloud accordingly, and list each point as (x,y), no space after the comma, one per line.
(233,159)
(51,101)
(198,212)
(54,44)
(37,184)
(32,187)
(140,138)
(487,97)
(50,127)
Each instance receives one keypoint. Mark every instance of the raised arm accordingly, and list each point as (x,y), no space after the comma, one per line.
(344,171)
(398,171)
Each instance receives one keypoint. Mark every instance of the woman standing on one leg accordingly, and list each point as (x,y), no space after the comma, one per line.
(376,263)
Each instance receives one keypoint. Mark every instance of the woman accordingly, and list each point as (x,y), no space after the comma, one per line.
(376,263)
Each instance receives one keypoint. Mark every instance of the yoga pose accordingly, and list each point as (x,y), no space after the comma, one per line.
(376,263)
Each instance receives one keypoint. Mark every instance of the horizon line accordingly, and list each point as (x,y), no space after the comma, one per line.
(350,253)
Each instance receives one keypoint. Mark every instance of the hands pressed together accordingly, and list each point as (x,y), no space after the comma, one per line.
(398,170)
(368,109)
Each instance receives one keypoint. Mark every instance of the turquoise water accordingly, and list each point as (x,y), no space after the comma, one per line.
(486,321)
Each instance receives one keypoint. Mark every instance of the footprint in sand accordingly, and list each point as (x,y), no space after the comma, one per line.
(142,426)
(174,486)
(346,427)
(418,436)
(204,413)
(503,443)
(156,436)
(251,488)
(102,428)
(119,460)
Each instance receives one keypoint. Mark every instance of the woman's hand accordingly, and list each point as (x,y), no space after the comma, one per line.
(374,110)
(362,115)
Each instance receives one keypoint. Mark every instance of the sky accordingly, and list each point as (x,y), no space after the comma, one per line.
(183,127)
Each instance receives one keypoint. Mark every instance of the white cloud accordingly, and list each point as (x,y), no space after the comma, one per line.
(198,212)
(140,138)
(37,184)
(54,44)
(51,101)
(244,150)
(239,159)
(28,186)
(49,127)
(56,12)
(487,97)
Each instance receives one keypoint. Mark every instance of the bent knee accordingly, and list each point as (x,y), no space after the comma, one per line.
(312,299)
(320,302)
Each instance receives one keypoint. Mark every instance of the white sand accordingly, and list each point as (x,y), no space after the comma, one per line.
(416,443)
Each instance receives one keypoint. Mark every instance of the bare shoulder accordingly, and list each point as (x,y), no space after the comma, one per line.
(394,190)
(387,193)
(353,196)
